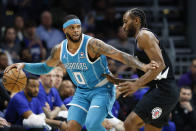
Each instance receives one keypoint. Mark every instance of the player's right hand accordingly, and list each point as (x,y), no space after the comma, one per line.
(151,66)
(19,67)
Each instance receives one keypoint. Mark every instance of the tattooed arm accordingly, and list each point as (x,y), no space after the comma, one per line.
(40,68)
(54,57)
(97,47)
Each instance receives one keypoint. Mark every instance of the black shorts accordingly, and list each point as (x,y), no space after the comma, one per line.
(155,106)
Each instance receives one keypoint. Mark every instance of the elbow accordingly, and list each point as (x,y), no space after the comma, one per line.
(162,66)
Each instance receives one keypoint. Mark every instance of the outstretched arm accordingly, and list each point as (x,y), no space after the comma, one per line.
(97,47)
(40,68)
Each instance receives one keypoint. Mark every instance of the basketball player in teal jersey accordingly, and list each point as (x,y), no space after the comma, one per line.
(84,59)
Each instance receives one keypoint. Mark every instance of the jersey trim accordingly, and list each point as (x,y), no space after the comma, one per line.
(77,49)
(61,52)
(87,54)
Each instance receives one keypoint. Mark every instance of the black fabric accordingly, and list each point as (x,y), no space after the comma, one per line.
(141,55)
(4,96)
(163,96)
(185,121)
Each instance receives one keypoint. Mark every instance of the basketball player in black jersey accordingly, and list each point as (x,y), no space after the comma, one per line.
(154,108)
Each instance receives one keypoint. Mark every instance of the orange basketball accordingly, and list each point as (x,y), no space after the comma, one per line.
(14,81)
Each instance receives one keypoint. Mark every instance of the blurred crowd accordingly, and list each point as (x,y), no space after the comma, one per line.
(30,28)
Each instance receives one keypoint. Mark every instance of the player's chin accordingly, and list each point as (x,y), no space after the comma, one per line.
(76,38)
(35,94)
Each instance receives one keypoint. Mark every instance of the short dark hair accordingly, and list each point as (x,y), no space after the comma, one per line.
(7,28)
(136,12)
(185,87)
(2,53)
(69,17)
(31,77)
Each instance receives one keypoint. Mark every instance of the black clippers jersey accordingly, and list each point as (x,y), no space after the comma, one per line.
(166,74)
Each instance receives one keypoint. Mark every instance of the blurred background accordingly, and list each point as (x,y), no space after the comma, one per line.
(30,28)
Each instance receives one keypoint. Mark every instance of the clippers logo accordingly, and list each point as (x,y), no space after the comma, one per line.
(156,112)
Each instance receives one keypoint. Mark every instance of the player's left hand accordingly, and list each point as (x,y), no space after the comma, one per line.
(151,66)
(128,88)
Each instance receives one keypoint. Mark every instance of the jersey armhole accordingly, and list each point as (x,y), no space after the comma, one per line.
(87,56)
(61,50)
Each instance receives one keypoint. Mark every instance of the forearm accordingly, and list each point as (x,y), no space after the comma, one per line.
(37,68)
(54,123)
(52,114)
(148,76)
(131,61)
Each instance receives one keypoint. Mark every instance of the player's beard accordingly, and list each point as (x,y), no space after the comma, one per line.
(70,38)
(131,31)
(32,94)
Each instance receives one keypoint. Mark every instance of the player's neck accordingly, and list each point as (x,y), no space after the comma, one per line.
(28,97)
(73,46)
(47,89)
(137,32)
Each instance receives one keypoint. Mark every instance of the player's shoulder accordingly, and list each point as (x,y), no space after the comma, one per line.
(53,89)
(146,35)
(19,97)
(60,44)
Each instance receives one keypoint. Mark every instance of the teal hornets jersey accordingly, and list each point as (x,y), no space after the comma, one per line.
(83,72)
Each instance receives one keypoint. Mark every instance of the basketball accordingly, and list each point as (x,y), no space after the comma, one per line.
(14,81)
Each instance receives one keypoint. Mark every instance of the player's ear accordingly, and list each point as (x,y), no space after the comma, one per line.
(137,20)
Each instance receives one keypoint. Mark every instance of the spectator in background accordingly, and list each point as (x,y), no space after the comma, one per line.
(47,33)
(189,78)
(49,96)
(121,42)
(9,43)
(99,7)
(10,61)
(25,55)
(58,76)
(184,114)
(25,108)
(5,126)
(89,23)
(33,43)
(66,91)
(4,96)
(3,62)
(107,27)
(19,27)
(4,99)
(24,103)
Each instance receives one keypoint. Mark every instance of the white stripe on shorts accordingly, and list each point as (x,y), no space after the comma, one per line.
(78,106)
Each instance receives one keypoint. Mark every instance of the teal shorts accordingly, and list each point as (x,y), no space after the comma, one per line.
(86,99)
